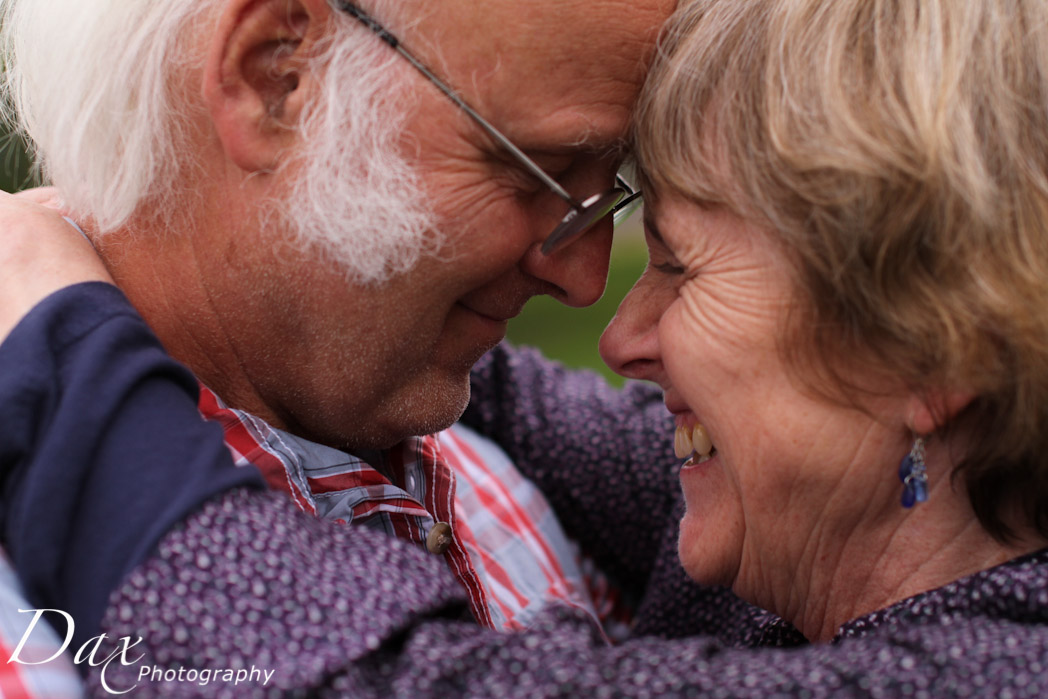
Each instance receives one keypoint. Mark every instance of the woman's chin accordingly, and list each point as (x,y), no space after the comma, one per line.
(710,539)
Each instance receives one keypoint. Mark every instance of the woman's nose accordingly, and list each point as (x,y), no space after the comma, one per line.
(630,343)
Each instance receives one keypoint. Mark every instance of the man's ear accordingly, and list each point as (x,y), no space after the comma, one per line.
(257,77)
(935,408)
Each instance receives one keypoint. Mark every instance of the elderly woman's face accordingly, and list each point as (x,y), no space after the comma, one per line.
(785,467)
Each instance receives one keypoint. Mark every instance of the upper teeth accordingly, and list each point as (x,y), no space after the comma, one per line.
(691,439)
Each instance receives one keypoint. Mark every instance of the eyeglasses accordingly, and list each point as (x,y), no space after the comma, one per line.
(619,201)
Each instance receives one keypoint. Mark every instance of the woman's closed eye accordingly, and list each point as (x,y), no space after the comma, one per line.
(668,268)
(660,258)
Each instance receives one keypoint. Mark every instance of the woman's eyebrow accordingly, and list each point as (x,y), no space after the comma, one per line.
(653,230)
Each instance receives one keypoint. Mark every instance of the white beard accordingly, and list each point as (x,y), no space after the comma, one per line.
(354,197)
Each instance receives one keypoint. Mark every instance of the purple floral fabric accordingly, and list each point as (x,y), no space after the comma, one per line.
(250,585)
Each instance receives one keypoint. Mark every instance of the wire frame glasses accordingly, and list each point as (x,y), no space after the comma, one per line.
(619,201)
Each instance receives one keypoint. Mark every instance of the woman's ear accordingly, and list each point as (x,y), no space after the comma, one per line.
(931,410)
(257,78)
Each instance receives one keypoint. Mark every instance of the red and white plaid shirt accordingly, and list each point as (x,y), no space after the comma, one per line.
(506,546)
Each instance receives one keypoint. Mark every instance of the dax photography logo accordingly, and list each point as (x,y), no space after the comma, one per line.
(92,652)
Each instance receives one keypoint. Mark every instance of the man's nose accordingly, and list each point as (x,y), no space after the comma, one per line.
(630,343)
(577,273)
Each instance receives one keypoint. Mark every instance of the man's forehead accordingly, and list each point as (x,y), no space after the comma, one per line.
(563,26)
(574,66)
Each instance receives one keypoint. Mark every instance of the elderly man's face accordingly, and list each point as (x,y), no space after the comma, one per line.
(366,366)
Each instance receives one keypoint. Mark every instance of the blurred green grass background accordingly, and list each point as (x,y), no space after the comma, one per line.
(14,163)
(568,335)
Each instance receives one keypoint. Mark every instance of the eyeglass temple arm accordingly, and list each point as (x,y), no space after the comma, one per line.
(504,142)
(631,194)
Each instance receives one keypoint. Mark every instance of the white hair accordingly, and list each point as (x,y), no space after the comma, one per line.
(355,196)
(89,84)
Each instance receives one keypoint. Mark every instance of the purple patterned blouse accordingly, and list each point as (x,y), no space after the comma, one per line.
(249,585)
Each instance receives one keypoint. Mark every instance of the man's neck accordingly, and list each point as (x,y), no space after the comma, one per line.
(161,274)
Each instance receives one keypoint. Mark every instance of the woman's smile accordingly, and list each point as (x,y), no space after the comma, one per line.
(691,441)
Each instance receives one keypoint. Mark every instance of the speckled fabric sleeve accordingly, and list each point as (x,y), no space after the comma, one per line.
(603,457)
(248,584)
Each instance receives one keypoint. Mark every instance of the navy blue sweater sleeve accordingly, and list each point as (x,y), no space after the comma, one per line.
(102,449)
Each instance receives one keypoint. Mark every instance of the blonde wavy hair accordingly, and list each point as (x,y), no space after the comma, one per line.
(899,151)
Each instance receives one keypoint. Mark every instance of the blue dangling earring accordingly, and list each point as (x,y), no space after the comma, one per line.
(913,475)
